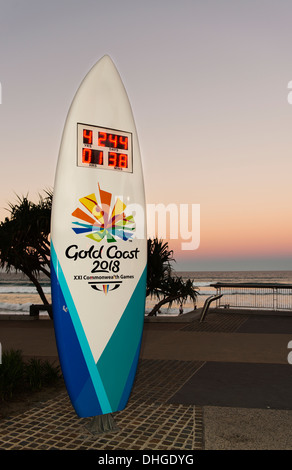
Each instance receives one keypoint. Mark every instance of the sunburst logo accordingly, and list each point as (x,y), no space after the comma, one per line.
(101,221)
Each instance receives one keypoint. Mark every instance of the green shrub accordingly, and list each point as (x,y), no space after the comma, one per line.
(51,373)
(17,375)
(11,373)
(40,373)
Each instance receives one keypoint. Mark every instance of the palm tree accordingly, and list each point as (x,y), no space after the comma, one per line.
(159,259)
(24,239)
(162,283)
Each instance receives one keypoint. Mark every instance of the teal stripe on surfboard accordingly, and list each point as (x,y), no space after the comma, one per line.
(93,371)
(122,350)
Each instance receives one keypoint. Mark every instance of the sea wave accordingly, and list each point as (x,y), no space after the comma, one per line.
(15,307)
(201,284)
(22,289)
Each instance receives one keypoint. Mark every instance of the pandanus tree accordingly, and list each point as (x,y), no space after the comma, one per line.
(24,239)
(162,283)
(159,269)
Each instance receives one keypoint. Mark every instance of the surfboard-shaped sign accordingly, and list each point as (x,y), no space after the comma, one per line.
(99,245)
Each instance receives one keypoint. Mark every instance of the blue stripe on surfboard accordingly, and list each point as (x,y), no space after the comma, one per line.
(131,377)
(121,352)
(82,340)
(79,384)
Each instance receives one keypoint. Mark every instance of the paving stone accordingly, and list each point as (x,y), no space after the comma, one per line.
(148,422)
(218,323)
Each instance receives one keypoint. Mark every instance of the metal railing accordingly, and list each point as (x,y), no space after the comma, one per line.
(207,304)
(262,296)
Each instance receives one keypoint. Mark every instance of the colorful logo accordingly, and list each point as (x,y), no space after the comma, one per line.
(103,222)
(105,287)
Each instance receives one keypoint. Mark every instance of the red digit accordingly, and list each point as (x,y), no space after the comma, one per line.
(123,161)
(101,139)
(112,159)
(87,136)
(124,142)
(86,155)
(100,158)
(113,139)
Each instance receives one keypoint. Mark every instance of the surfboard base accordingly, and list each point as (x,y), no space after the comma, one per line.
(102,424)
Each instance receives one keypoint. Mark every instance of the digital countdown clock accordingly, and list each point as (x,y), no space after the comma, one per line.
(99,147)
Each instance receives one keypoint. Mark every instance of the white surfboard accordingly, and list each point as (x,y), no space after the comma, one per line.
(99,246)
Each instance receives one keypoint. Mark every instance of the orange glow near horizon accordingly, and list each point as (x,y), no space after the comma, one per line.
(242,234)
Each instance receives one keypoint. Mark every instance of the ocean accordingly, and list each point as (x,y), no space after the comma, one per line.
(17,293)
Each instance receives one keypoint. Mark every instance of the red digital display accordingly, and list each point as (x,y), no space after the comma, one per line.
(113,141)
(104,148)
(92,156)
(118,160)
(87,136)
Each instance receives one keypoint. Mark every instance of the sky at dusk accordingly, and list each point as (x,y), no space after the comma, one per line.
(208,84)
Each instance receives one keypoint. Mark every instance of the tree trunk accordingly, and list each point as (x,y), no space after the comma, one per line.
(39,289)
(166,300)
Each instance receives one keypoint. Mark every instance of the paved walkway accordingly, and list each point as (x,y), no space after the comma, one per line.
(222,384)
